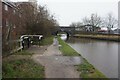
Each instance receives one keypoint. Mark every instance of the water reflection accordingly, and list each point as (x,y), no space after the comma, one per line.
(64,37)
(102,54)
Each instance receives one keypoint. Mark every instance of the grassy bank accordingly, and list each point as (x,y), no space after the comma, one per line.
(47,41)
(25,68)
(86,69)
(99,36)
(24,52)
(66,49)
(20,65)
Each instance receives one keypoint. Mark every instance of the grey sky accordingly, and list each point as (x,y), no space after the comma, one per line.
(68,11)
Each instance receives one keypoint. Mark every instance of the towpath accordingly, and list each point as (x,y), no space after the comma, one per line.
(56,65)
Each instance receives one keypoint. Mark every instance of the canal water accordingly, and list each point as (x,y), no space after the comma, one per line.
(103,55)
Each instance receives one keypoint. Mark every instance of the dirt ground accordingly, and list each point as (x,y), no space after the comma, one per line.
(33,49)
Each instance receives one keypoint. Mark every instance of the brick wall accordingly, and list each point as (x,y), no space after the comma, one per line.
(10,25)
(10,20)
(13,22)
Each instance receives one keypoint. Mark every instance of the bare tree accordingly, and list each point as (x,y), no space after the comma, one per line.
(37,21)
(46,22)
(73,24)
(94,21)
(86,21)
(77,25)
(110,21)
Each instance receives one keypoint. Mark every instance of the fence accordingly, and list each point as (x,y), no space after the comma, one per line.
(23,43)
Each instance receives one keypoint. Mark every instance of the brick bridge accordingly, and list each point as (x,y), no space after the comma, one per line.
(70,30)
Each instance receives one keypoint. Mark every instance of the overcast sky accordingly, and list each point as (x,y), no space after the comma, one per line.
(68,11)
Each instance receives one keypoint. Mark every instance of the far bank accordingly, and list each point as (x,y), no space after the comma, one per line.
(108,37)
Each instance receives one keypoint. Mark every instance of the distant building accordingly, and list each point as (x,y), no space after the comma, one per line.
(116,31)
(103,30)
(111,31)
(10,20)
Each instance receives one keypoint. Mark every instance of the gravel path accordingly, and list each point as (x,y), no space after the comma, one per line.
(56,65)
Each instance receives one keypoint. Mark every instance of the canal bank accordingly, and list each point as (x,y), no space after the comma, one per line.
(108,37)
(85,69)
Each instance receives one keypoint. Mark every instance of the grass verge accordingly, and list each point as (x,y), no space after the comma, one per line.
(86,69)
(47,41)
(66,49)
(24,52)
(25,68)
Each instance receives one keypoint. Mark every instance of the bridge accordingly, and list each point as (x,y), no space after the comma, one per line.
(70,30)
(67,29)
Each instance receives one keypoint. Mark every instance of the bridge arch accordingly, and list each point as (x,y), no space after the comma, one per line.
(67,32)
